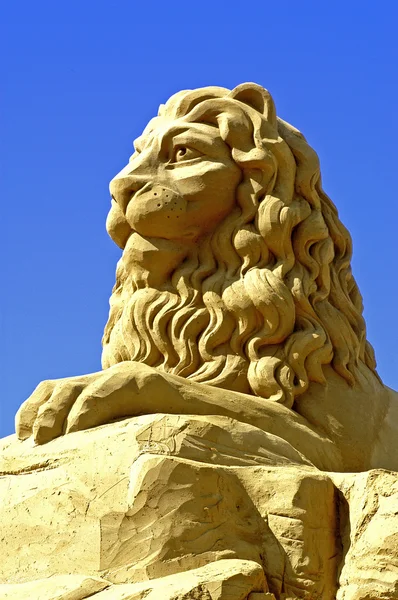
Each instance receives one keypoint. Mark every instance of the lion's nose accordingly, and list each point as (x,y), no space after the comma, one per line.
(123,187)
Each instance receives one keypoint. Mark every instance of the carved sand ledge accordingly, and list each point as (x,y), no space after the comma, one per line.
(157,496)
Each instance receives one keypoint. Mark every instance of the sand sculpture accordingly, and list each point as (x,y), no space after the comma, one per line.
(238,443)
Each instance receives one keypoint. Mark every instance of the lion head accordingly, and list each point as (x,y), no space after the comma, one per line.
(257,293)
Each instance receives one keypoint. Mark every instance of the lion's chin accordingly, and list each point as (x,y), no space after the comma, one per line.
(151,260)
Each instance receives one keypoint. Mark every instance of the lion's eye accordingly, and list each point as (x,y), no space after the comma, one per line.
(182,153)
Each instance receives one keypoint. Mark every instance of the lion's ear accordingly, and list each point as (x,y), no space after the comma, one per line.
(258,98)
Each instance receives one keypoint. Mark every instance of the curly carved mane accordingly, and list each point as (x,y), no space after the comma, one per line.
(267,298)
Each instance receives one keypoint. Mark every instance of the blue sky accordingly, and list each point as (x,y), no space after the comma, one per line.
(79,82)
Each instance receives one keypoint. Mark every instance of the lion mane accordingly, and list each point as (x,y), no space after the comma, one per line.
(268,298)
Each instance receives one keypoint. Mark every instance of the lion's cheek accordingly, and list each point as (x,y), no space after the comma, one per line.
(210,192)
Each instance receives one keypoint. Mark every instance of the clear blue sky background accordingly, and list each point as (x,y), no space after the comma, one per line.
(79,82)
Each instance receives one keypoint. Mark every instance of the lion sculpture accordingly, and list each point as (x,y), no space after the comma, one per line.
(234,295)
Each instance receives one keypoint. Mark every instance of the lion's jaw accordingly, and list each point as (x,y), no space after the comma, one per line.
(149,262)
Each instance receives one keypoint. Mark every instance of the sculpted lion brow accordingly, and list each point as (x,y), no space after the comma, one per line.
(197,130)
(171,133)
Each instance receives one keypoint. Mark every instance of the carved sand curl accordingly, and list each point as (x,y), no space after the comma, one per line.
(268,298)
